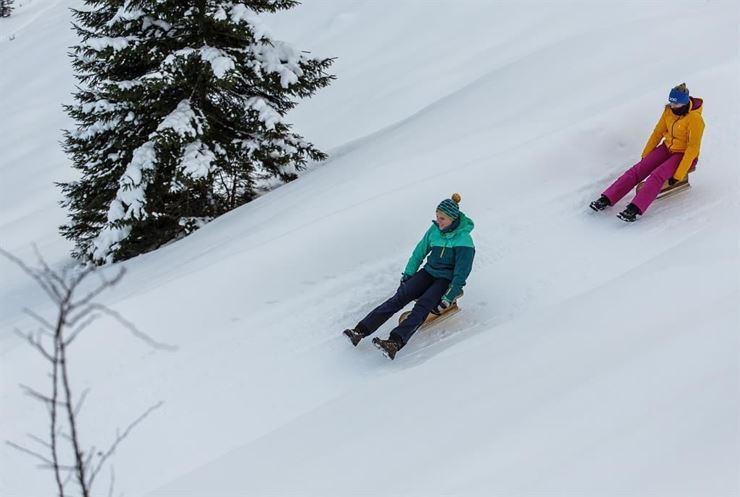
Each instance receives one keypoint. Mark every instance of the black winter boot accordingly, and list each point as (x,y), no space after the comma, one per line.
(630,213)
(389,347)
(600,203)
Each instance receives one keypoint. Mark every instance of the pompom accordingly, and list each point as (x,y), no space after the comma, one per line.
(456,198)
(681,88)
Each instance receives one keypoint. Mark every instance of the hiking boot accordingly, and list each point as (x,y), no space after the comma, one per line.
(354,336)
(389,347)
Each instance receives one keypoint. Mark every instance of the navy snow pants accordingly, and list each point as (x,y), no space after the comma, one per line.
(422,286)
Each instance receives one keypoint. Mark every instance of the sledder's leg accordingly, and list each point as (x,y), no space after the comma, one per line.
(636,173)
(411,289)
(655,181)
(422,308)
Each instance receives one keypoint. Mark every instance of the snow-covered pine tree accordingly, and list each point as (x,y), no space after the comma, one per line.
(179,118)
(6,7)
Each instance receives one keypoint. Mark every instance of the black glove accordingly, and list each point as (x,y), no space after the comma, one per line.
(672,181)
(404,278)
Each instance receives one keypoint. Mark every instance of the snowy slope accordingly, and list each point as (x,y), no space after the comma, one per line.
(592,357)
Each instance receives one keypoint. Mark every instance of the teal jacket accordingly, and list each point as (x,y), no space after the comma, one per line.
(450,254)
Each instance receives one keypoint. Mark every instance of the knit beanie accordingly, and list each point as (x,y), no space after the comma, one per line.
(450,207)
(679,95)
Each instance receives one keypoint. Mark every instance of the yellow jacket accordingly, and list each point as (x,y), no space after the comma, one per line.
(679,134)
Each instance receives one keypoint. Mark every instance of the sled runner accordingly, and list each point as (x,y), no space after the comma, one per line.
(433,317)
(668,190)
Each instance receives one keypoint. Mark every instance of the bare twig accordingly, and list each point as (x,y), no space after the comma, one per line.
(39,440)
(35,343)
(51,275)
(112,481)
(81,315)
(30,453)
(62,467)
(53,416)
(83,396)
(71,420)
(79,330)
(50,290)
(40,396)
(134,331)
(41,320)
(120,437)
(78,315)
(89,458)
(104,285)
(70,475)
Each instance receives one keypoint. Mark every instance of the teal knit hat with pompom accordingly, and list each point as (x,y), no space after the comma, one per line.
(450,206)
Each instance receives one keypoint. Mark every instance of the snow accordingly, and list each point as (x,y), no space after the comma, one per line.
(129,203)
(96,128)
(591,357)
(103,42)
(221,62)
(182,121)
(132,182)
(278,58)
(99,106)
(267,114)
(197,159)
(241,13)
(162,25)
(125,13)
(123,85)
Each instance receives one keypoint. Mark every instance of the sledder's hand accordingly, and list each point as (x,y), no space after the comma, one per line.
(443,305)
(404,278)
(672,181)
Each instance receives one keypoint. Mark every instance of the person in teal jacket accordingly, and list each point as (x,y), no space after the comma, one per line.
(449,251)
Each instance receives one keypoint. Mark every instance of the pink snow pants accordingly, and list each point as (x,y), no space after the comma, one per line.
(657,167)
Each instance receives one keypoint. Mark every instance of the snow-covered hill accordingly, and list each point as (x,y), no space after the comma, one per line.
(592,357)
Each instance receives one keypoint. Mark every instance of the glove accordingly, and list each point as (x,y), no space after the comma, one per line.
(442,306)
(672,181)
(404,278)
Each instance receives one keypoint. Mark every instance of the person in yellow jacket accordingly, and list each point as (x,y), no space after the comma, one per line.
(671,151)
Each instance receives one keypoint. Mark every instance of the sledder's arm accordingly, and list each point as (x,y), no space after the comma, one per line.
(418,255)
(463,265)
(657,135)
(696,130)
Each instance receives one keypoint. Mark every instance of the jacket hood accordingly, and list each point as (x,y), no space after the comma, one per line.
(696,105)
(464,226)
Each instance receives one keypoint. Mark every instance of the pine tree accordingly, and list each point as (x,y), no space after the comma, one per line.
(6,7)
(179,118)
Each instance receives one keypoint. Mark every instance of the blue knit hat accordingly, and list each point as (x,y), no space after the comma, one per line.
(450,207)
(679,95)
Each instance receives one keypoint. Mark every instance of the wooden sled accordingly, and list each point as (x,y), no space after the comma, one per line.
(432,317)
(668,190)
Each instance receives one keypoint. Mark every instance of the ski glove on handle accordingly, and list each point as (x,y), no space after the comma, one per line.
(442,306)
